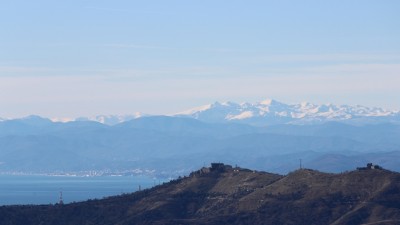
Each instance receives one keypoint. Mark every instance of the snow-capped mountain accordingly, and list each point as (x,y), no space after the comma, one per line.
(273,112)
(267,112)
(110,119)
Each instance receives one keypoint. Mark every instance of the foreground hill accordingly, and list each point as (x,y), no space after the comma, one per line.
(225,195)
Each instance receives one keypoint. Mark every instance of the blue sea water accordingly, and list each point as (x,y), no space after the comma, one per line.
(33,189)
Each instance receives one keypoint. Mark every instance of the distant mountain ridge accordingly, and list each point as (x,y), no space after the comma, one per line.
(161,143)
(268,135)
(271,112)
(267,112)
(111,119)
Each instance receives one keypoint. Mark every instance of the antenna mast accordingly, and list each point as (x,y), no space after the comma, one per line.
(61,202)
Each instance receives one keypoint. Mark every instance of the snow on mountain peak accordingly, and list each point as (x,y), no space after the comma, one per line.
(62,120)
(266,112)
(267,102)
(273,112)
(196,109)
(243,115)
(228,103)
(111,119)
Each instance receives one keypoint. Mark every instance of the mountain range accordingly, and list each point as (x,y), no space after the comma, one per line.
(267,112)
(222,194)
(172,146)
(271,112)
(268,135)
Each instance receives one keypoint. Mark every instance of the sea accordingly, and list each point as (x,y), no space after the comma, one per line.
(42,189)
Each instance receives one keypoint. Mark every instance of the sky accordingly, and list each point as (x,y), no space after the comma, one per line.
(99,57)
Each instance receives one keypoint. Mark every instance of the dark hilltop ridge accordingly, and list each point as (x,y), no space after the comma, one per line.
(222,194)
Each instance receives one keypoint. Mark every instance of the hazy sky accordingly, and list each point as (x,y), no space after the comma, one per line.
(72,58)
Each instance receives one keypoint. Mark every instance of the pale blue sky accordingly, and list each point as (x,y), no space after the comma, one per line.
(86,57)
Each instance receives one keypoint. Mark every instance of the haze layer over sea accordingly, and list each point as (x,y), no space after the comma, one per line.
(35,189)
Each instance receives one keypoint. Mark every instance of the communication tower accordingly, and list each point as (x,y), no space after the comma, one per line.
(61,202)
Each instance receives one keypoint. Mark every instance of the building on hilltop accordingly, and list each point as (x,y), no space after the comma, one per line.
(220,167)
(370,166)
(215,167)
